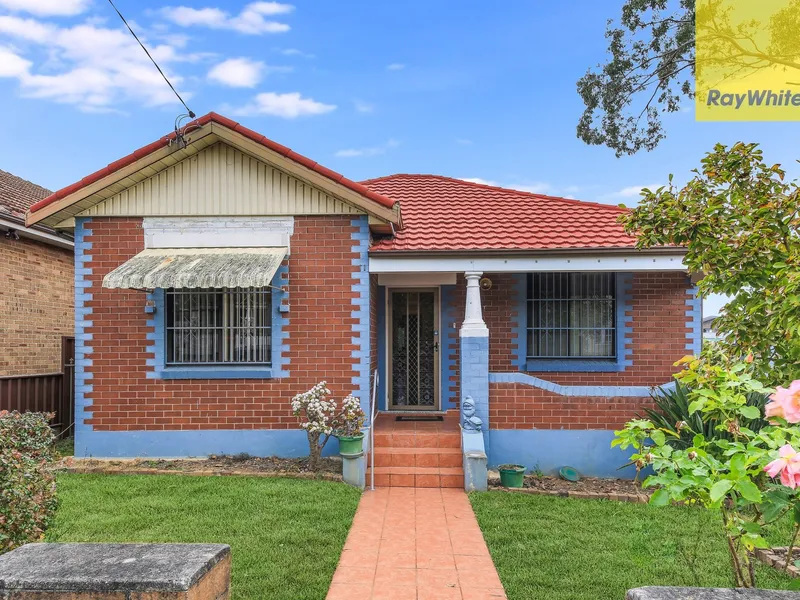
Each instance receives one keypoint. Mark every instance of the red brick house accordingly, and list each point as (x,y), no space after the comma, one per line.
(219,273)
(36,299)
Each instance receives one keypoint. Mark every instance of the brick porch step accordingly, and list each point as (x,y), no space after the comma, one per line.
(421,477)
(418,457)
(417,439)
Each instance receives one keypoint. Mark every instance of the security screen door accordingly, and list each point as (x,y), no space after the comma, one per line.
(414,349)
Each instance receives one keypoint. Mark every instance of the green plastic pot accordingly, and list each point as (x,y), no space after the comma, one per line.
(511,476)
(351,444)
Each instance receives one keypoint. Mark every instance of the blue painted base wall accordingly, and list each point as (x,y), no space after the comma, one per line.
(175,444)
(589,451)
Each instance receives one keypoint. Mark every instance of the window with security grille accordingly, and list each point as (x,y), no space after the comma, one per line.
(572,315)
(219,326)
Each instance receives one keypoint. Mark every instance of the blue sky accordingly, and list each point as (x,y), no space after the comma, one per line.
(365,88)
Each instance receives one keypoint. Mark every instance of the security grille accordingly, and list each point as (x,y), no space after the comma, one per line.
(414,349)
(219,326)
(571,315)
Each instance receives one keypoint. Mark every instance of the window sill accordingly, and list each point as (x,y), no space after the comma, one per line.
(216,372)
(583,365)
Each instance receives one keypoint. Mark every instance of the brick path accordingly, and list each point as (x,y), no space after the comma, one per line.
(415,544)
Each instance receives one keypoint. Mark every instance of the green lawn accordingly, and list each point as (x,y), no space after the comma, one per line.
(285,534)
(560,548)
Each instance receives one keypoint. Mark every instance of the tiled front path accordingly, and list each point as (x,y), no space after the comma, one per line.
(415,544)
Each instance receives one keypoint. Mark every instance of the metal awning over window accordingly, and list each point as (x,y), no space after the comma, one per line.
(197,268)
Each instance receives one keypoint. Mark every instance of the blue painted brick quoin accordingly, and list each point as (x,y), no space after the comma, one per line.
(360,286)
(83,316)
(694,321)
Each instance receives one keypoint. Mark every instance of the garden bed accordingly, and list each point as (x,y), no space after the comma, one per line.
(777,558)
(330,468)
(623,490)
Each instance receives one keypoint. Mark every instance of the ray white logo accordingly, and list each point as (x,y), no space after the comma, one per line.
(753,98)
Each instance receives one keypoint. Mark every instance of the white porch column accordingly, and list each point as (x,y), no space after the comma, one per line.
(474,376)
(473,325)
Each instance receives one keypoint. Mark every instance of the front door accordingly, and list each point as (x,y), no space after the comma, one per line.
(414,349)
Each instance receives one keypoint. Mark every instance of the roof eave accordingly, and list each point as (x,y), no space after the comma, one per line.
(525,252)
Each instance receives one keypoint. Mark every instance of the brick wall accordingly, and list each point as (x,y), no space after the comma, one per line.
(319,331)
(518,406)
(36,304)
(658,310)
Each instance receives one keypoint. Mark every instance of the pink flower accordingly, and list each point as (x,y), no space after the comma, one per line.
(785,403)
(787,465)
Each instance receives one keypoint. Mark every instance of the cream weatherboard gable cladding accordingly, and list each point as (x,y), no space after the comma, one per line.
(220,180)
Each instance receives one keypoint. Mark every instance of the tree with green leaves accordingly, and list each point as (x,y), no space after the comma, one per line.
(739,220)
(652,64)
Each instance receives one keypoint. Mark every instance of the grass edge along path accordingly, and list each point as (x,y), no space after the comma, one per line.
(286,535)
(570,549)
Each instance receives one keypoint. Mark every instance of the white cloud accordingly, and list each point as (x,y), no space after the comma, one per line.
(296,52)
(480,181)
(463,142)
(395,67)
(371,151)
(47,8)
(250,21)
(237,72)
(536,187)
(363,107)
(631,191)
(286,106)
(30,30)
(90,66)
(11,64)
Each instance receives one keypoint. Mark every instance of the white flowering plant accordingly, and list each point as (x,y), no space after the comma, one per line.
(317,415)
(321,418)
(350,420)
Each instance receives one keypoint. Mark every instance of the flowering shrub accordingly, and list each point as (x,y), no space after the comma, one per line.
(350,421)
(320,417)
(317,415)
(733,474)
(27,485)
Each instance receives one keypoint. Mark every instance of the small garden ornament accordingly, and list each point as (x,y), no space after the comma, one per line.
(471,422)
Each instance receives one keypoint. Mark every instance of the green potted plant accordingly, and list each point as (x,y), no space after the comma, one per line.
(347,427)
(511,476)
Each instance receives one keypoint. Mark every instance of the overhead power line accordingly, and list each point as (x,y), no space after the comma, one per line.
(133,33)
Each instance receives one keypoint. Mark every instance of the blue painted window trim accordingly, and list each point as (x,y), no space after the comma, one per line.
(624,335)
(157,337)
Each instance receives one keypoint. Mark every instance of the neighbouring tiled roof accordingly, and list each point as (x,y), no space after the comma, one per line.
(234,126)
(446,214)
(17,194)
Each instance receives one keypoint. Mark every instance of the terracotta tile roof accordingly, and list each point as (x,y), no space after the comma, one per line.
(234,126)
(17,194)
(442,213)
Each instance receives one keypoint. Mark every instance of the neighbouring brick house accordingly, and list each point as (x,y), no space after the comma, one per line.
(36,298)
(218,273)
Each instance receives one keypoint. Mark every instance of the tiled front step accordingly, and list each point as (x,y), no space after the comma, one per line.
(417,439)
(417,457)
(421,477)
